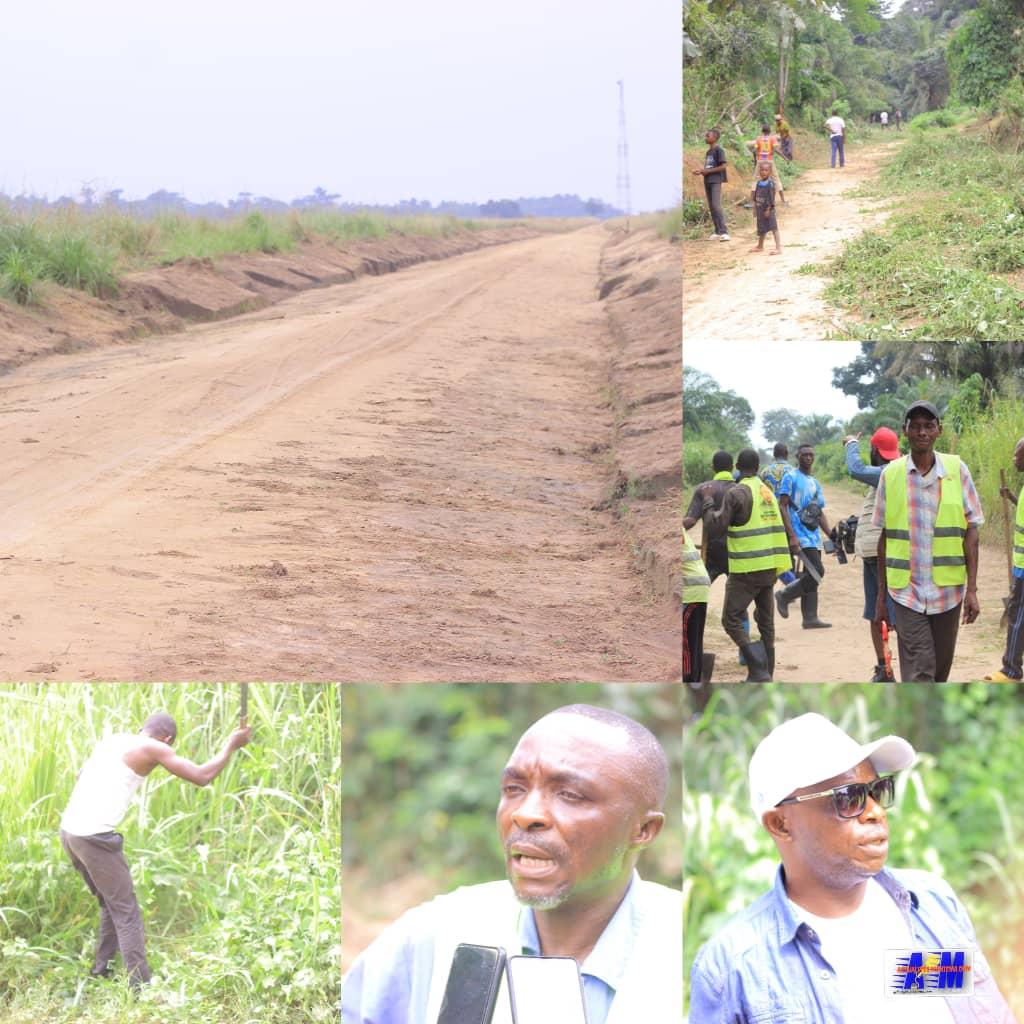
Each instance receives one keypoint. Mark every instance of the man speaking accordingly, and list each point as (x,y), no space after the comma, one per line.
(581,798)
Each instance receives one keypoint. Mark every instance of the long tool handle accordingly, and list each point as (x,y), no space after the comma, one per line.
(1007,532)
(243,715)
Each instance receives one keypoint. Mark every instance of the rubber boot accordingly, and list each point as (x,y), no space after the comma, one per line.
(745,624)
(757,662)
(809,610)
(770,660)
(784,597)
(707,666)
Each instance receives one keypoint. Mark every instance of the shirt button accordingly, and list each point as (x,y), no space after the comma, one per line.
(825,975)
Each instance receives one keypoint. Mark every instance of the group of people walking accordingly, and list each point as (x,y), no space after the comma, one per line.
(916,535)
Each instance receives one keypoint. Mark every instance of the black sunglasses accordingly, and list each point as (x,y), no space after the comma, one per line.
(850,800)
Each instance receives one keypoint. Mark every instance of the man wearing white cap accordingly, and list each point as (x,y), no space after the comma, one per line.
(813,948)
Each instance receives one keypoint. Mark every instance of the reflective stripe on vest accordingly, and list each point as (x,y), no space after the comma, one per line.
(949,566)
(696,582)
(761,542)
(1018,533)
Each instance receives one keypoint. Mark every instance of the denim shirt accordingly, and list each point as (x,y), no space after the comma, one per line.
(765,966)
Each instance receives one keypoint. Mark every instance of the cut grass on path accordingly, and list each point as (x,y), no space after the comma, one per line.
(941,266)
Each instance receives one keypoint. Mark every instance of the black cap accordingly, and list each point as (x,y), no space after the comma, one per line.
(922,404)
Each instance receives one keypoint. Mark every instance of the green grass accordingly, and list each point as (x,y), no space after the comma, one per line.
(90,250)
(939,267)
(238,881)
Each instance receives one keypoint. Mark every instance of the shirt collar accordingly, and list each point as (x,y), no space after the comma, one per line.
(786,912)
(940,469)
(608,959)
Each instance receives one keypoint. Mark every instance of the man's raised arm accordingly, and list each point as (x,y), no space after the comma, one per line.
(197,774)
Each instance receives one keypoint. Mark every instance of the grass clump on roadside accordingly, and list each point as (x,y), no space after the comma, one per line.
(945,264)
(238,881)
(89,250)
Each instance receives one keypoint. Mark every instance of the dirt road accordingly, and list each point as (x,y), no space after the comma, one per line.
(729,291)
(844,652)
(394,478)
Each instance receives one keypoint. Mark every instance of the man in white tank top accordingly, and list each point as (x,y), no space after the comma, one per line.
(99,802)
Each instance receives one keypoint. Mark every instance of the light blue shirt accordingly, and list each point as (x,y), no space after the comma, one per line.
(390,981)
(766,964)
(855,466)
(802,490)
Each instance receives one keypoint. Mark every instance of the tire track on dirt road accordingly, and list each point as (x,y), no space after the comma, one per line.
(730,292)
(396,478)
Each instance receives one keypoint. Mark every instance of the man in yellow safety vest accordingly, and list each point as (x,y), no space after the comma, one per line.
(758,553)
(929,513)
(1013,654)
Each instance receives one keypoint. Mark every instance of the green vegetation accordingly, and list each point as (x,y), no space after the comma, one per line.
(957,812)
(89,250)
(238,881)
(946,264)
(433,755)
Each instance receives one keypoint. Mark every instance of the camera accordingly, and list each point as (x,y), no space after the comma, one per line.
(843,536)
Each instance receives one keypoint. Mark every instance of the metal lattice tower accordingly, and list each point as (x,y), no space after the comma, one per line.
(622,177)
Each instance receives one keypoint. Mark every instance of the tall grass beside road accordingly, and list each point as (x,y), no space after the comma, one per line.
(238,881)
(89,250)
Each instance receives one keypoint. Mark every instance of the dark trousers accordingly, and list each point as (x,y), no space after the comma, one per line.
(926,644)
(694,618)
(837,147)
(100,861)
(1013,656)
(713,191)
(808,584)
(742,588)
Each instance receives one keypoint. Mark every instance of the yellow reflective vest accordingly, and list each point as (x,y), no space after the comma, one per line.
(696,582)
(1018,533)
(760,543)
(949,566)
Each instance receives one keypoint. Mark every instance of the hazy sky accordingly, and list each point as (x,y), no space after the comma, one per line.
(378,101)
(791,375)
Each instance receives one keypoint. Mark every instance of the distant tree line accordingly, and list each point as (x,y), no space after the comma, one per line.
(163,201)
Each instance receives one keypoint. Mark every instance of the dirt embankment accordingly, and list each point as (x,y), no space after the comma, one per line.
(640,283)
(166,299)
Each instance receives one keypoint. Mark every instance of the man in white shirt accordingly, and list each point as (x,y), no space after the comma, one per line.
(837,137)
(99,802)
(884,118)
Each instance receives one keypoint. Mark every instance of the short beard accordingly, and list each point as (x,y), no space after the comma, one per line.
(549,902)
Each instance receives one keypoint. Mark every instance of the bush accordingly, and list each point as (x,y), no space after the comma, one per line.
(933,119)
(21,273)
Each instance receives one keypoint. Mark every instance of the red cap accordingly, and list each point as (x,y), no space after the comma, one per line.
(887,443)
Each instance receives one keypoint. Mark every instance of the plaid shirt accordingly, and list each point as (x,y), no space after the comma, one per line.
(922,506)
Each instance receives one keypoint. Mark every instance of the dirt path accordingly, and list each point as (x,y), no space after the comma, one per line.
(394,478)
(844,652)
(728,291)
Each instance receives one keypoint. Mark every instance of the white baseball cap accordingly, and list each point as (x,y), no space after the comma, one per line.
(809,749)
